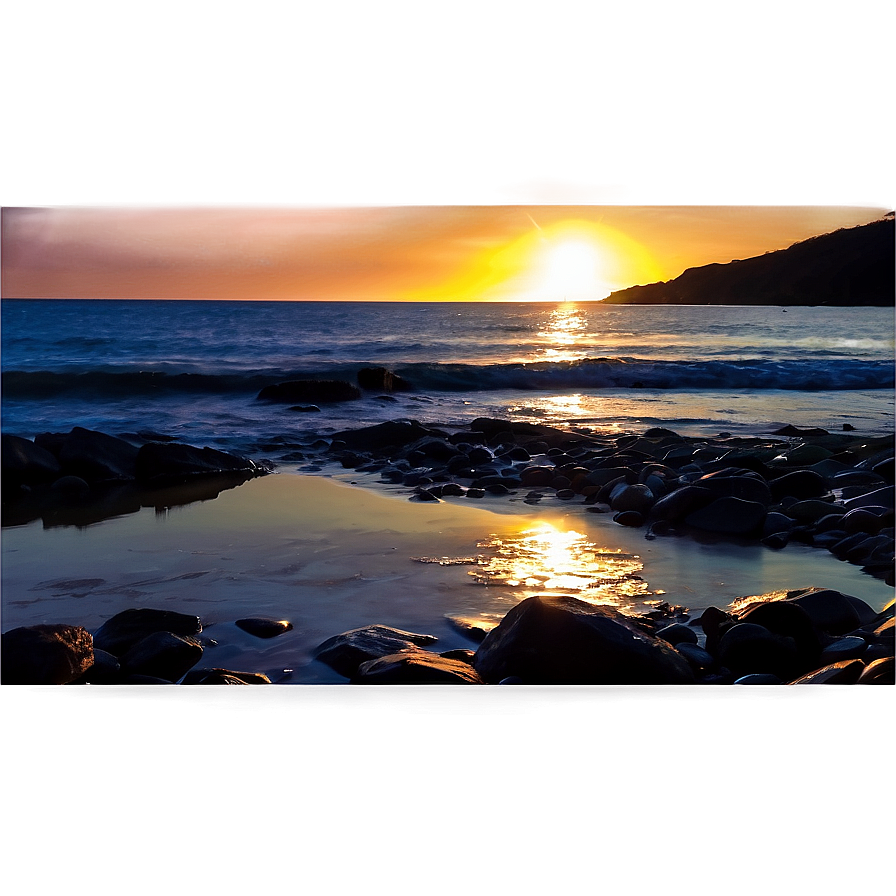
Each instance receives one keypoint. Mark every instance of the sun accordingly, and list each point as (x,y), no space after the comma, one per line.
(570,269)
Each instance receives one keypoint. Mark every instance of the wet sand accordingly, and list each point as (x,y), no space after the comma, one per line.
(330,556)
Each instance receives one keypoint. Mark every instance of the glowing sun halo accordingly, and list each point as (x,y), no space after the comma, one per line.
(569,269)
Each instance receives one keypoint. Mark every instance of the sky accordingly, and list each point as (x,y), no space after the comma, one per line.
(318,163)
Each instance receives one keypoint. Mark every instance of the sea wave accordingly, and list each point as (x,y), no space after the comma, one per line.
(815,375)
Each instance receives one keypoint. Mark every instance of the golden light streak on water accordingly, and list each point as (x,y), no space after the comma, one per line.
(547,560)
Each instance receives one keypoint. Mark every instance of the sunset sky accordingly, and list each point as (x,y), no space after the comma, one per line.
(432,178)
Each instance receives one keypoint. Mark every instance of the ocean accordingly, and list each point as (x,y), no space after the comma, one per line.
(193,369)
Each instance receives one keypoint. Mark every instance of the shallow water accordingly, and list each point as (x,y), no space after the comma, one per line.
(329,556)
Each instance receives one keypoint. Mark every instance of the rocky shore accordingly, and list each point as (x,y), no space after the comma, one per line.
(830,490)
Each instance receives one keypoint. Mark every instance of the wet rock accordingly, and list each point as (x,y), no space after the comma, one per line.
(162,655)
(389,436)
(563,640)
(700,660)
(224,676)
(800,484)
(729,516)
(166,463)
(830,611)
(789,620)
(95,456)
(631,518)
(849,648)
(344,653)
(25,464)
(812,510)
(715,623)
(845,672)
(747,648)
(681,503)
(303,391)
(746,487)
(861,520)
(264,627)
(304,408)
(473,627)
(632,497)
(379,379)
(882,497)
(758,678)
(45,654)
(105,669)
(678,633)
(464,654)
(419,667)
(475,493)
(70,489)
(882,671)
(125,629)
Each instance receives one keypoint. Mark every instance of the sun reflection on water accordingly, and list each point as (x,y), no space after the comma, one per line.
(562,331)
(546,560)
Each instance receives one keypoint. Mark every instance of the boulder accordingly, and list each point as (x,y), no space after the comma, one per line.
(379,379)
(844,672)
(632,497)
(747,648)
(678,633)
(800,484)
(161,655)
(390,435)
(45,654)
(24,463)
(681,503)
(166,463)
(224,676)
(812,510)
(729,516)
(882,671)
(345,652)
(789,620)
(745,487)
(122,631)
(418,667)
(95,456)
(882,497)
(303,391)
(830,611)
(564,640)
(262,627)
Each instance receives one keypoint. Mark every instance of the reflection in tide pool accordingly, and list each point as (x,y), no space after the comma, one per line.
(546,560)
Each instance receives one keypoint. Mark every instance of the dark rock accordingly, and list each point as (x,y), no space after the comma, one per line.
(263,627)
(681,503)
(419,667)
(125,629)
(632,497)
(475,493)
(96,457)
(699,659)
(758,678)
(678,633)
(830,611)
(729,516)
(715,623)
(305,408)
(463,654)
(45,654)
(422,494)
(631,518)
(161,464)
(861,520)
(473,627)
(379,379)
(105,669)
(345,652)
(882,671)
(24,463)
(882,497)
(746,648)
(746,487)
(303,391)
(844,672)
(392,435)
(799,484)
(224,676)
(162,655)
(790,621)
(849,648)
(563,640)
(812,510)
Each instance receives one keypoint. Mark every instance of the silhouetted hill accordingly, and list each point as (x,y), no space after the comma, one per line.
(853,266)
